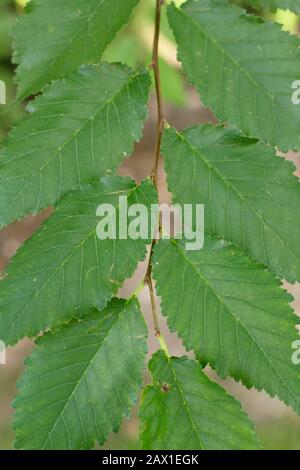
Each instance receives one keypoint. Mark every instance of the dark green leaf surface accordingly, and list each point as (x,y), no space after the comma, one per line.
(183,409)
(243,68)
(82,381)
(65,269)
(251,196)
(81,129)
(54,37)
(232,312)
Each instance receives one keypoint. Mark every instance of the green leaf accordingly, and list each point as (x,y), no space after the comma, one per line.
(251,196)
(232,313)
(65,269)
(54,37)
(83,380)
(243,67)
(183,409)
(272,5)
(81,129)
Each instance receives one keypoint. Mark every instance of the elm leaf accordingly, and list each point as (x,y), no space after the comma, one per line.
(81,381)
(65,269)
(183,409)
(82,128)
(243,67)
(232,313)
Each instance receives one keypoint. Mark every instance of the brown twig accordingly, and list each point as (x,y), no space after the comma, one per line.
(154,177)
(156,70)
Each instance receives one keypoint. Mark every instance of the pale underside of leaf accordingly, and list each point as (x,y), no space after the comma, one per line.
(232,313)
(82,381)
(243,67)
(251,196)
(54,37)
(184,410)
(65,269)
(79,130)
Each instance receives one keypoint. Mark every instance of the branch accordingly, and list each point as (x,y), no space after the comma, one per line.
(160,126)
(156,70)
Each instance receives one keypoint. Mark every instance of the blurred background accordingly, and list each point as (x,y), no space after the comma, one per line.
(277,425)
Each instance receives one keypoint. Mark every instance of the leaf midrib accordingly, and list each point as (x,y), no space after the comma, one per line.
(85,371)
(185,404)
